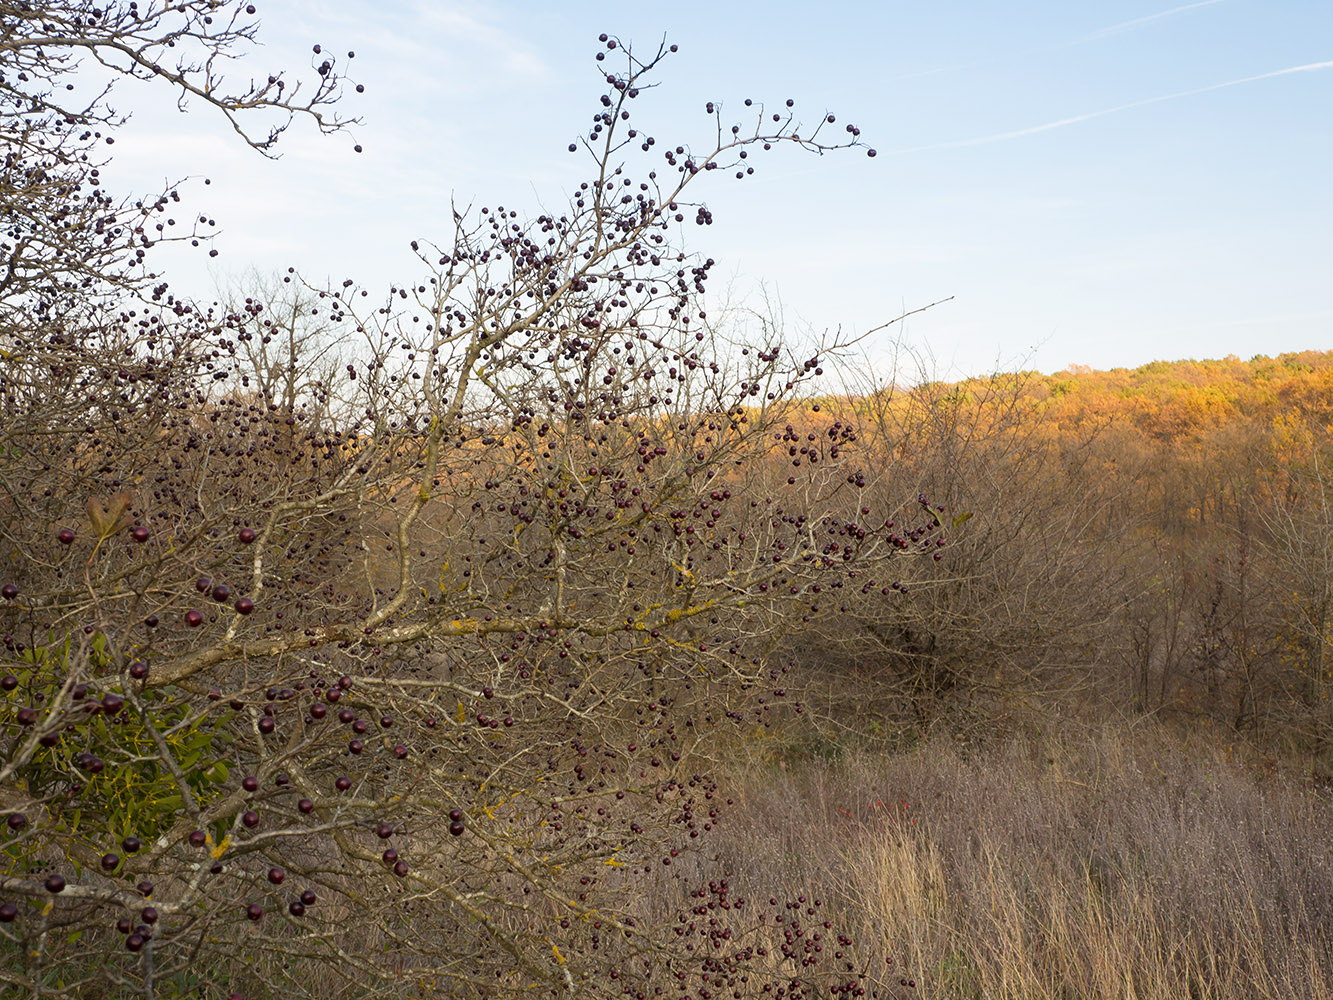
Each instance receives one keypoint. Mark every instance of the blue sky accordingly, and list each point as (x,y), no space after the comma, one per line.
(1104,184)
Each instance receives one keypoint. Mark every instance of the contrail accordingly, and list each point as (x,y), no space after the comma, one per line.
(1116,29)
(1061,123)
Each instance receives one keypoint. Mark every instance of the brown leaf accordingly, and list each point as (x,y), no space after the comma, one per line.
(112,516)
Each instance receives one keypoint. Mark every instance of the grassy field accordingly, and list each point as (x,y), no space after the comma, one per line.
(1060,862)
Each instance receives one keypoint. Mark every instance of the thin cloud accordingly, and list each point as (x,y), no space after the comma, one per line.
(460,24)
(1063,122)
(1260,321)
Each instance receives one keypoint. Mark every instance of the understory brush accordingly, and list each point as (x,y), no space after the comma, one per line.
(1114,862)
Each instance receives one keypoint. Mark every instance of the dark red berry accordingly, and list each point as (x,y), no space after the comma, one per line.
(194,618)
(246,535)
(55,883)
(140,533)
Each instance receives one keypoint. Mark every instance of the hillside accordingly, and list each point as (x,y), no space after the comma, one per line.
(1151,540)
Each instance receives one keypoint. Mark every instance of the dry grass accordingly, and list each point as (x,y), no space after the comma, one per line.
(1118,863)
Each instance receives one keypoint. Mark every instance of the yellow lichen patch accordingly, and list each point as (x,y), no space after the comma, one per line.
(676,614)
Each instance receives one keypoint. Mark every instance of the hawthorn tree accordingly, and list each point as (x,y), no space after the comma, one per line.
(408,674)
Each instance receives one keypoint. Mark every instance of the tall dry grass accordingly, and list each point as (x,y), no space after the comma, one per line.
(1117,863)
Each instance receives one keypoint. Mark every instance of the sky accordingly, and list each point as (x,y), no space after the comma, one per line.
(1104,184)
